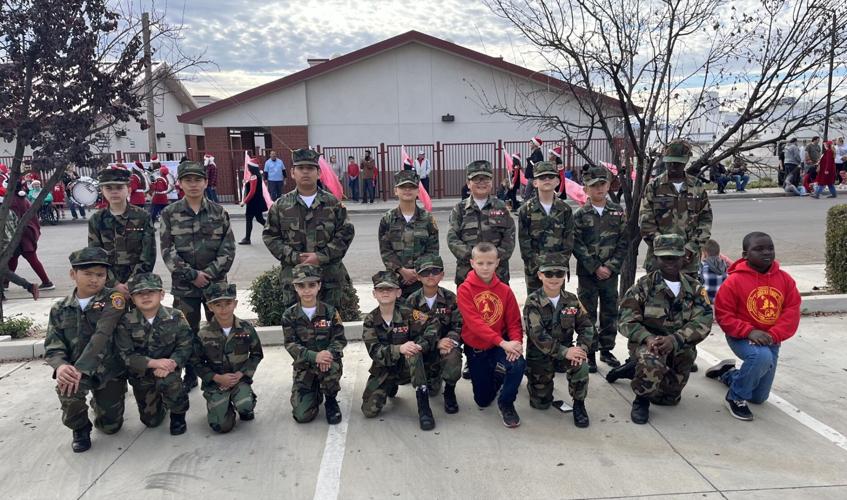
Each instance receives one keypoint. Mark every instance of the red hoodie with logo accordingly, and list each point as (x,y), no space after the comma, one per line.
(490,313)
(750,300)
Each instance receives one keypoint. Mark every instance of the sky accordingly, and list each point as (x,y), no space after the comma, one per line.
(253,42)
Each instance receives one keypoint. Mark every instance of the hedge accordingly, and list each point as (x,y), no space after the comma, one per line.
(836,248)
(17,325)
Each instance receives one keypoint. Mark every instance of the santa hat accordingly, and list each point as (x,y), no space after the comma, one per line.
(163,170)
(537,141)
(253,162)
(208,160)
(516,156)
(557,151)
(3,168)
(138,165)
(154,158)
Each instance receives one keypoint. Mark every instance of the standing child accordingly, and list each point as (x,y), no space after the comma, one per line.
(712,268)
(552,315)
(227,352)
(155,342)
(492,334)
(758,308)
(314,336)
(59,198)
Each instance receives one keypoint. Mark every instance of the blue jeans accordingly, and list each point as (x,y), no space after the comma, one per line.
(354,188)
(819,189)
(752,382)
(491,372)
(741,181)
(369,190)
(212,193)
(275,189)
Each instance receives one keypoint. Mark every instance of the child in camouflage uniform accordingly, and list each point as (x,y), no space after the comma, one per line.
(445,361)
(314,336)
(155,342)
(552,315)
(227,352)
(81,350)
(397,338)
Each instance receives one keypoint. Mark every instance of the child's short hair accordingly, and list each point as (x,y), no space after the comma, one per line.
(349,157)
(745,244)
(483,247)
(83,267)
(712,248)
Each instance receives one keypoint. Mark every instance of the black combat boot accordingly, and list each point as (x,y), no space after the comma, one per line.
(424,412)
(82,439)
(626,370)
(609,358)
(333,412)
(451,406)
(392,391)
(246,416)
(178,425)
(640,410)
(189,380)
(592,362)
(580,415)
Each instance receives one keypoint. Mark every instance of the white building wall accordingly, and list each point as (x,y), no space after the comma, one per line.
(167,108)
(285,107)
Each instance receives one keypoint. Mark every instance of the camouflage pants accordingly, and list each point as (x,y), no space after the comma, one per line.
(384,380)
(153,395)
(591,291)
(330,294)
(107,400)
(662,378)
(539,380)
(221,405)
(309,388)
(447,367)
(190,307)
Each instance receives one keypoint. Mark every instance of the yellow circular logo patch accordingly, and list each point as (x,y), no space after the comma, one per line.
(764,304)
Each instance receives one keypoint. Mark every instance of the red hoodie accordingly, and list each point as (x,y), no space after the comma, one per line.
(490,313)
(750,300)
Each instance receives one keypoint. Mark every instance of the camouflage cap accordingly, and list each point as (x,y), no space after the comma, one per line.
(305,156)
(677,151)
(479,167)
(113,176)
(88,256)
(429,261)
(142,282)
(386,279)
(595,175)
(545,168)
(668,245)
(190,168)
(306,272)
(219,291)
(553,262)
(405,177)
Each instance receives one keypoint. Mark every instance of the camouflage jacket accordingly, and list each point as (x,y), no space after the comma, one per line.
(304,338)
(383,342)
(650,308)
(550,329)
(86,338)
(293,228)
(168,337)
(194,242)
(686,213)
(129,238)
(469,225)
(401,242)
(599,240)
(218,354)
(444,312)
(541,234)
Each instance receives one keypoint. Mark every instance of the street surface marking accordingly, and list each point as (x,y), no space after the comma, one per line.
(329,475)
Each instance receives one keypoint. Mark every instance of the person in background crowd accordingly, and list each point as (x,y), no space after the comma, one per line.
(793,184)
(780,155)
(738,173)
(712,268)
(59,198)
(840,161)
(275,175)
(254,198)
(812,159)
(29,240)
(792,158)
(353,178)
(556,159)
(515,183)
(35,190)
(535,156)
(826,172)
(6,232)
(368,172)
(423,167)
(160,188)
(138,185)
(718,176)
(212,177)
(338,169)
(68,178)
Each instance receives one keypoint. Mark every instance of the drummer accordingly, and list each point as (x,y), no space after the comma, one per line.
(123,230)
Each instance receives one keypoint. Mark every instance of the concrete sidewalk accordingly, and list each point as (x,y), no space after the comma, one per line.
(795,449)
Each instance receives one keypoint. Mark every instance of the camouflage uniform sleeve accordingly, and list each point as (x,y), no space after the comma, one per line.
(426,331)
(292,342)
(175,264)
(338,341)
(218,268)
(256,355)
(568,243)
(585,331)
(337,247)
(580,248)
(382,354)
(616,259)
(184,341)
(455,331)
(93,231)
(507,238)
(703,230)
(700,324)
(95,350)
(148,249)
(200,362)
(386,251)
(538,335)
(525,238)
(56,348)
(459,248)
(272,236)
(631,311)
(126,349)
(648,218)
(432,245)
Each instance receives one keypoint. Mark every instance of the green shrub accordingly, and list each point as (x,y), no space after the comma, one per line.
(17,325)
(266,299)
(836,248)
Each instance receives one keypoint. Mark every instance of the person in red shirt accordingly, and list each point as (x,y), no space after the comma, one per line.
(160,189)
(758,308)
(492,334)
(59,198)
(353,177)
(138,185)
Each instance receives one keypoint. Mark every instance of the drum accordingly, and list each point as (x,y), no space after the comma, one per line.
(84,191)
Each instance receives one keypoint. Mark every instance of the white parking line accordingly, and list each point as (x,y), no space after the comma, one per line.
(792,411)
(329,475)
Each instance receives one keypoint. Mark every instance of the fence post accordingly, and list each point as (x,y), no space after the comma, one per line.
(383,166)
(439,169)
(498,154)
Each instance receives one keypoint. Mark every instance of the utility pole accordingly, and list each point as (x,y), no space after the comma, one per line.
(148,84)
(829,82)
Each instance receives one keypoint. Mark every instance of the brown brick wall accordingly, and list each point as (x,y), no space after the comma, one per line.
(283,140)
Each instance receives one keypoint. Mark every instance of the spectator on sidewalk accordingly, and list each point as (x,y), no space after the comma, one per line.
(840,160)
(536,156)
(826,173)
(68,178)
(792,157)
(353,177)
(718,176)
(368,173)
(212,177)
(793,183)
(337,169)
(812,159)
(275,175)
(423,167)
(254,199)
(515,182)
(739,174)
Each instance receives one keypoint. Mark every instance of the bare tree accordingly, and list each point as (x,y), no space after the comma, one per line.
(668,63)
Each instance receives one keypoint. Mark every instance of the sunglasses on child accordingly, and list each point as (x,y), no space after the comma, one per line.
(554,274)
(432,271)
(547,177)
